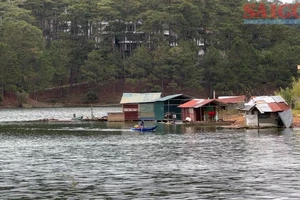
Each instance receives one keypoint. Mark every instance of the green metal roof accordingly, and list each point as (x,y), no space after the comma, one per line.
(140,97)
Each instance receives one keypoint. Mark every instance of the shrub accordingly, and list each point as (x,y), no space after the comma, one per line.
(91,97)
(22,97)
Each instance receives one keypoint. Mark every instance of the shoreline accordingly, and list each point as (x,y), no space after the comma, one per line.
(237,119)
(27,106)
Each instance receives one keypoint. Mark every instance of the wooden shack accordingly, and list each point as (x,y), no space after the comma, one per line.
(201,110)
(268,111)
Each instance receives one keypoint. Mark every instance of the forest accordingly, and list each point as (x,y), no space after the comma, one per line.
(200,45)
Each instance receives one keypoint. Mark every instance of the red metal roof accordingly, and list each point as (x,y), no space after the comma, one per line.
(203,102)
(276,107)
(189,104)
(236,99)
(196,103)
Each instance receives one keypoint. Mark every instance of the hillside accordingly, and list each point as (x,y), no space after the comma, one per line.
(77,95)
(190,45)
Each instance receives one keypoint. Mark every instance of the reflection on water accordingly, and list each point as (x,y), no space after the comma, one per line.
(108,161)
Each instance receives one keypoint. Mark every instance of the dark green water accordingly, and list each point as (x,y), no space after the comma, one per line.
(107,161)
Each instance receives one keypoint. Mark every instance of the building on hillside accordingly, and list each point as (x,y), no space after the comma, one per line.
(268,111)
(166,108)
(201,110)
(129,35)
(139,106)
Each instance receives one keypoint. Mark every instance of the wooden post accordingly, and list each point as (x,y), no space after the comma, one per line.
(258,119)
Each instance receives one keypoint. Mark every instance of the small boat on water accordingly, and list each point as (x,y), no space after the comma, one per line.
(77,118)
(152,128)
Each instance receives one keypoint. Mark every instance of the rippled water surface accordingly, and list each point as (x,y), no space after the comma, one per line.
(108,161)
(8,115)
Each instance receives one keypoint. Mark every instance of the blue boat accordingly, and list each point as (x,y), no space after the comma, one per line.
(152,128)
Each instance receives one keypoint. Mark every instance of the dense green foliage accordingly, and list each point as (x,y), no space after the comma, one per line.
(154,44)
(291,94)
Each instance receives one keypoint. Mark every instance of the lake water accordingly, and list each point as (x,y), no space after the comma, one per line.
(99,160)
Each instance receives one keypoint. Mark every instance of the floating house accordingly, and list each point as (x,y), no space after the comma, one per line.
(166,108)
(201,110)
(139,106)
(268,111)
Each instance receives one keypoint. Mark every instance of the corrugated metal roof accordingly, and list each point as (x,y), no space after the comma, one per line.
(263,107)
(247,107)
(197,103)
(276,107)
(190,104)
(256,99)
(269,99)
(278,99)
(169,97)
(203,102)
(232,99)
(267,104)
(140,97)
